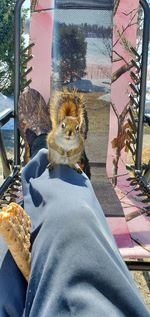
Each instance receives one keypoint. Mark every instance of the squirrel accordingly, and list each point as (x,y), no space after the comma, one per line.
(69,129)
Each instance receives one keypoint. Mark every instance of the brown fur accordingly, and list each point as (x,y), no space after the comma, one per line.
(68,107)
(66,103)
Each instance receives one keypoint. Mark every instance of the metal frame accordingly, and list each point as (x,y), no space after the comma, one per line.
(145,44)
(14,114)
(17,39)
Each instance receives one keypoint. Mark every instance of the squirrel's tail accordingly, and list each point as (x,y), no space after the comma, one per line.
(68,103)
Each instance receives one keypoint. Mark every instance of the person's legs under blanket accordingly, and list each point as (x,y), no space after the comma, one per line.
(76,267)
(12,286)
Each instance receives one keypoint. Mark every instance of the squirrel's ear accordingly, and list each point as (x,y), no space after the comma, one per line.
(53,116)
(54,109)
(83,121)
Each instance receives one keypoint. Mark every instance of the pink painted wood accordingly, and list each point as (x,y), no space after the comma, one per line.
(41,26)
(122,235)
(136,225)
(120,232)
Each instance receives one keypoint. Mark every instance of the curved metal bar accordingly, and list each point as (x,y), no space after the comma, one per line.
(17,39)
(145,43)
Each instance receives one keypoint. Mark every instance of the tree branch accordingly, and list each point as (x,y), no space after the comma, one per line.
(122,70)
(116,5)
(115,110)
(126,14)
(121,58)
(124,29)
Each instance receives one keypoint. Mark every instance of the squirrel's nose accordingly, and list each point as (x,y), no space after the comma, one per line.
(69,132)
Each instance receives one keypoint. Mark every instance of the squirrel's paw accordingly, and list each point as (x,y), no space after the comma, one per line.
(77,169)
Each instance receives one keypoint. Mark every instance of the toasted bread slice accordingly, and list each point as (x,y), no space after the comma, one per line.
(15,227)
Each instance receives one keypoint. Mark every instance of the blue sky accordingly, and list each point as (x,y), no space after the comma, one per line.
(26,4)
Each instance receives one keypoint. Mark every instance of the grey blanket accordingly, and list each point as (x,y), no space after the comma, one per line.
(76,269)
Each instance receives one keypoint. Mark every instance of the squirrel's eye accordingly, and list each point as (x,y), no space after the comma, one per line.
(77,128)
(63,125)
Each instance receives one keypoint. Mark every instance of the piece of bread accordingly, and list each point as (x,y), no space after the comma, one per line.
(15,227)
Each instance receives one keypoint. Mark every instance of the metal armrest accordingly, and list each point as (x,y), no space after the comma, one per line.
(5,116)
